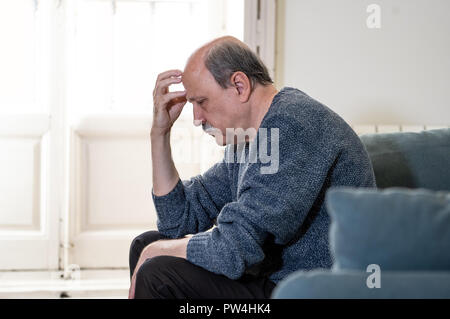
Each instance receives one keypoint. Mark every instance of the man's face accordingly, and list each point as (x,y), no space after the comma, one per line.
(214,107)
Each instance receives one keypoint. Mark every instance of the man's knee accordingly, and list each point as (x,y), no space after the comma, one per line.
(144,239)
(155,279)
(138,244)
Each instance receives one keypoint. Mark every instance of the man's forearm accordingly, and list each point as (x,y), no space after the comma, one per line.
(165,175)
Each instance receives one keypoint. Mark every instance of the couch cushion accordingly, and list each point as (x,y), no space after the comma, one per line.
(413,160)
(396,228)
(317,284)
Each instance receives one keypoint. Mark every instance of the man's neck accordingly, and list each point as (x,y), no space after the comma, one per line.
(261,101)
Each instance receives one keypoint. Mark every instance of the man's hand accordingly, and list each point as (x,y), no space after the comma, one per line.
(167,106)
(173,247)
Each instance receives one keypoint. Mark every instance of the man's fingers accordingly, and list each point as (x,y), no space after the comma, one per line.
(176,109)
(132,288)
(168,74)
(180,96)
(161,86)
(177,100)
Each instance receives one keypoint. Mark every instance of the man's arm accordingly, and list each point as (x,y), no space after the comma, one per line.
(167,109)
(183,207)
(165,175)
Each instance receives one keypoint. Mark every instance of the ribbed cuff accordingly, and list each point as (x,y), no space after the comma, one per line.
(196,249)
(170,207)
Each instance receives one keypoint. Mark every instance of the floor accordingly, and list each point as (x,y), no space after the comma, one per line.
(102,284)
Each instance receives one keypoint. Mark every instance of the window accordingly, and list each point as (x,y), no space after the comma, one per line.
(117,48)
(23,64)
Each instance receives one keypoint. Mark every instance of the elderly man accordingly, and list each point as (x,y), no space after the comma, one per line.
(268,223)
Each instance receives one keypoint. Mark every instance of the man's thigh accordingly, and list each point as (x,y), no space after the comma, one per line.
(174,277)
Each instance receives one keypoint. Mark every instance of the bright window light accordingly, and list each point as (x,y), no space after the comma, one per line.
(116,49)
(17,56)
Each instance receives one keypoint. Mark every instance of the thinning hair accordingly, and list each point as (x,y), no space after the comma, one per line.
(229,56)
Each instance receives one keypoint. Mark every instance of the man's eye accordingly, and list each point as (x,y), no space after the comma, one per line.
(201,102)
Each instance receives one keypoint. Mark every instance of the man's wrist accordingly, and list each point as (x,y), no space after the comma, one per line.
(159,133)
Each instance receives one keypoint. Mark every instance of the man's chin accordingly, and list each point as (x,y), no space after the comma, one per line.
(218,136)
(220,140)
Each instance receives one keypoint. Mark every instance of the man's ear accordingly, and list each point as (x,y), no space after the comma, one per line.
(241,83)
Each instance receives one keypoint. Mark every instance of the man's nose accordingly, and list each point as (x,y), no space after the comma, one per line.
(198,116)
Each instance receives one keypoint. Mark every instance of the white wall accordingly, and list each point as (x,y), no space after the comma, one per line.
(399,73)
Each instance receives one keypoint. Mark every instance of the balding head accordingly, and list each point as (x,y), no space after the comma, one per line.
(198,57)
(228,86)
(226,55)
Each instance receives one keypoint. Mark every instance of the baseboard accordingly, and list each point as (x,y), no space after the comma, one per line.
(98,284)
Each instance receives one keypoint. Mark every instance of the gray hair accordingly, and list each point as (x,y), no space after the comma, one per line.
(228,57)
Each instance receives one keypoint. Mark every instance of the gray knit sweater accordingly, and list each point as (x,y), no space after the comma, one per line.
(317,150)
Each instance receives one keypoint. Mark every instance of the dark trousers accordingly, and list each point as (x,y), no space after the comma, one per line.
(174,277)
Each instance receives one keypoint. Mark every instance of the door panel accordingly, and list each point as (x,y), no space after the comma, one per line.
(111,201)
(27,237)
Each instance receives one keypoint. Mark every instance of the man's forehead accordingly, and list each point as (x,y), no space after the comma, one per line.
(193,74)
(196,85)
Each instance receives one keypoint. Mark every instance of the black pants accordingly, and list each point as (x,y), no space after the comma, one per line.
(174,277)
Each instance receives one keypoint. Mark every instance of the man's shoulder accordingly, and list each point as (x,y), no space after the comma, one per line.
(299,115)
(294,107)
(289,101)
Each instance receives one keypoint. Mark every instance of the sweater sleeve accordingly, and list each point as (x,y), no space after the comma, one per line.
(275,204)
(193,205)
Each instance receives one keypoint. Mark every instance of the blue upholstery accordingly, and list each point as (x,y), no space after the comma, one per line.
(397,229)
(413,160)
(404,226)
(352,284)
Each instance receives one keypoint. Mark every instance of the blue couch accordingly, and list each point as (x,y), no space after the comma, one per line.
(393,241)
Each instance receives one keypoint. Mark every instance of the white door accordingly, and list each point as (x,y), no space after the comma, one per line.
(30,199)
